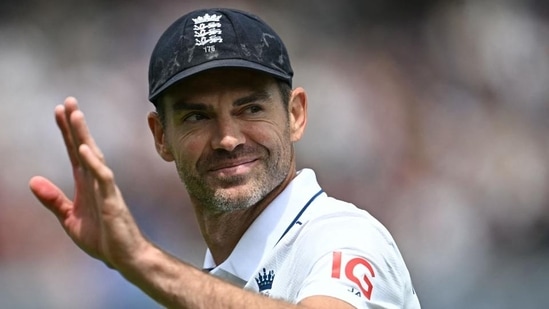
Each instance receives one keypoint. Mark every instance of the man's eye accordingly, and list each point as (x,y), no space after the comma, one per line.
(194,117)
(253,109)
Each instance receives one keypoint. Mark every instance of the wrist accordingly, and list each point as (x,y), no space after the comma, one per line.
(135,259)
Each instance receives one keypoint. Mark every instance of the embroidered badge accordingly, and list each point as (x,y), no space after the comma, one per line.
(265,281)
(207,31)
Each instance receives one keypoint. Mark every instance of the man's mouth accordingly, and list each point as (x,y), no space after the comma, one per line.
(233,166)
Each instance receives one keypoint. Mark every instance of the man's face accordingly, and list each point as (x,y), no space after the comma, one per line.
(229,134)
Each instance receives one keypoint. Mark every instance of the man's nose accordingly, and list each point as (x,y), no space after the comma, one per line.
(228,134)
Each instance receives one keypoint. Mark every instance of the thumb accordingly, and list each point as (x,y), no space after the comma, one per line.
(50,196)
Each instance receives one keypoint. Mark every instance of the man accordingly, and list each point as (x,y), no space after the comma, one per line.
(226,115)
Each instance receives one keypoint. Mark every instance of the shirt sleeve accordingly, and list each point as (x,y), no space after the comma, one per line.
(356,261)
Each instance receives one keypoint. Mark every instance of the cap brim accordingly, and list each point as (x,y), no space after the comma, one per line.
(221,63)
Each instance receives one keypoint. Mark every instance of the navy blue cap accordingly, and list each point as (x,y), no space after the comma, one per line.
(212,38)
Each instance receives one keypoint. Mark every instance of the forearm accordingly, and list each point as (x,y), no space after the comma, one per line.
(176,284)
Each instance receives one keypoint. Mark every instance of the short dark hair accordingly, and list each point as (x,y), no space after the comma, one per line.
(283,87)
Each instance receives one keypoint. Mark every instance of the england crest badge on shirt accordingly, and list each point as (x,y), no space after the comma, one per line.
(265,281)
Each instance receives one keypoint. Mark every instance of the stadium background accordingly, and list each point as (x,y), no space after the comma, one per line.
(432,115)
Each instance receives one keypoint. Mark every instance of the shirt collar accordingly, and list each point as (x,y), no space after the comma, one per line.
(268,227)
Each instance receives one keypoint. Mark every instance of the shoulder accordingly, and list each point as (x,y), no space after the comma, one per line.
(347,249)
(338,229)
(332,222)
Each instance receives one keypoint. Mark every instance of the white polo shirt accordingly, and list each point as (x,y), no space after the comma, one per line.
(306,243)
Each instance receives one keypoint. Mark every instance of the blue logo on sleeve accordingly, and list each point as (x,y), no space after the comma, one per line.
(265,281)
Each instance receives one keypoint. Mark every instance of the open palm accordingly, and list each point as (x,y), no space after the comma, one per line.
(97,220)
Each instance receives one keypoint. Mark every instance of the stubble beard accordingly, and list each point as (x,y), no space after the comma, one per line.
(218,198)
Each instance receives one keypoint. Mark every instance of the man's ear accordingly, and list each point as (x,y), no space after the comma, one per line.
(298,113)
(157,130)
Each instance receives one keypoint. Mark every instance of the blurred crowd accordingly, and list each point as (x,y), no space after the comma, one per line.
(431,115)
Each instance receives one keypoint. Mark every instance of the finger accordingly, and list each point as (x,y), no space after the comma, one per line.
(64,127)
(51,197)
(82,133)
(71,106)
(102,173)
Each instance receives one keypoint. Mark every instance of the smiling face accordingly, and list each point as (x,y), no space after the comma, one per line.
(230,136)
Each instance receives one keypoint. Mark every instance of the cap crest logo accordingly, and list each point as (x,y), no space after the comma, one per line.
(207,31)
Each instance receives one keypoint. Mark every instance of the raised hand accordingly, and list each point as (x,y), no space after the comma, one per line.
(97,220)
